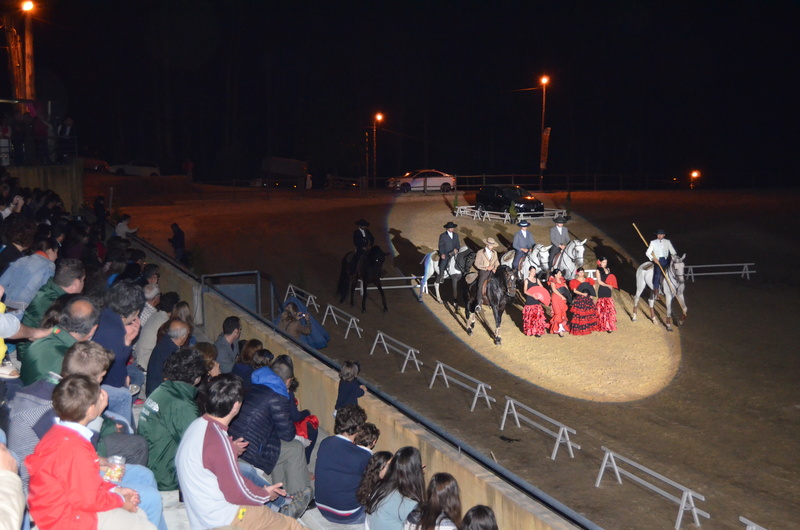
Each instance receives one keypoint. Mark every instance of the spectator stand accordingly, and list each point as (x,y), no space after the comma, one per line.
(750,524)
(396,346)
(562,437)
(479,390)
(685,503)
(309,299)
(337,314)
(744,270)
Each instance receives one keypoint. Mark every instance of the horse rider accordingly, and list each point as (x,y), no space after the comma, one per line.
(660,251)
(362,240)
(559,239)
(486,262)
(523,243)
(448,247)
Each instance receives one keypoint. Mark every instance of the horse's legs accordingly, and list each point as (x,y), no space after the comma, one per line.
(352,289)
(383,296)
(436,288)
(364,297)
(498,318)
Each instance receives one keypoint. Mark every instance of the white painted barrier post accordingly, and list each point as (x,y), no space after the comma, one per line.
(479,390)
(562,437)
(336,314)
(685,503)
(396,346)
(309,299)
(750,524)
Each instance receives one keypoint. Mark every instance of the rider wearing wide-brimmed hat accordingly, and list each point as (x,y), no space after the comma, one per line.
(486,262)
(448,247)
(559,239)
(362,240)
(523,243)
(661,251)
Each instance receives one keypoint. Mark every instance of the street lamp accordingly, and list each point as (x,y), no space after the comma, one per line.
(30,92)
(543,152)
(378,117)
(694,175)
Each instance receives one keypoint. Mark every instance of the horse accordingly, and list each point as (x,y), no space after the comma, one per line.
(458,266)
(537,257)
(673,286)
(500,290)
(368,269)
(571,258)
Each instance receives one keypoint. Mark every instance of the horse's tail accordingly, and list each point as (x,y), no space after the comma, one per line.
(344,279)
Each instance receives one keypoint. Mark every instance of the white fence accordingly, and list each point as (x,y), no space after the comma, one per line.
(479,390)
(394,282)
(396,346)
(336,314)
(309,299)
(478,214)
(685,503)
(562,436)
(750,524)
(744,270)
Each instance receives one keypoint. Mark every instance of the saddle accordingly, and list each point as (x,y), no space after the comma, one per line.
(647,266)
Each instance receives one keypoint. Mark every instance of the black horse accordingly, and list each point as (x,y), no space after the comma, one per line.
(500,289)
(368,269)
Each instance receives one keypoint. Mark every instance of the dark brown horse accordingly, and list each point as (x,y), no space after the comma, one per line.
(500,289)
(368,269)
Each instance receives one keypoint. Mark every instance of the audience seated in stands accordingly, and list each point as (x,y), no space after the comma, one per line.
(214,491)
(183,311)
(123,230)
(400,491)
(305,423)
(152,297)
(24,277)
(149,332)
(243,367)
(350,389)
(441,510)
(177,333)
(66,487)
(227,343)
(340,466)
(367,436)
(479,517)
(13,506)
(169,411)
(376,470)
(265,424)
(32,415)
(18,238)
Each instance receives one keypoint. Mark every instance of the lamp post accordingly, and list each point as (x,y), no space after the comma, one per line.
(30,91)
(693,176)
(378,117)
(542,148)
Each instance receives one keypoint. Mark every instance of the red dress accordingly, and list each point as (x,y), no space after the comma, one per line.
(606,311)
(584,312)
(558,320)
(533,320)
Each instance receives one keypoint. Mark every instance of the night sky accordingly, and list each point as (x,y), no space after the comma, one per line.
(645,89)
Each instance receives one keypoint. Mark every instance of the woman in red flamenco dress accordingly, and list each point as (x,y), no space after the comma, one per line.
(584,312)
(536,296)
(606,311)
(559,302)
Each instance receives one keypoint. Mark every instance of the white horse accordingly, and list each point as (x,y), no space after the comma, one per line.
(454,271)
(537,257)
(672,286)
(571,258)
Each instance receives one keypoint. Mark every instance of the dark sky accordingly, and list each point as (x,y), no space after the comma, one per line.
(639,88)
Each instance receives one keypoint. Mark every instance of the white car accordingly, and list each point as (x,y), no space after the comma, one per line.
(137,167)
(422,179)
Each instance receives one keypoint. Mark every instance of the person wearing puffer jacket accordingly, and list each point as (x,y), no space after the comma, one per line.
(265,422)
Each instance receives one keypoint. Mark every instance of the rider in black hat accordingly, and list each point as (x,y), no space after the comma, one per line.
(559,239)
(448,247)
(362,240)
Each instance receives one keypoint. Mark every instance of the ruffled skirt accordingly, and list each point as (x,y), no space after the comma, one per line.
(533,321)
(606,315)
(584,316)
(558,320)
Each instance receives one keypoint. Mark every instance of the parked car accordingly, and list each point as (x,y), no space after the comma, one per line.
(95,164)
(137,167)
(500,199)
(416,180)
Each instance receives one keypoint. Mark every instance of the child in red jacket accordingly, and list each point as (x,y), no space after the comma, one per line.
(66,488)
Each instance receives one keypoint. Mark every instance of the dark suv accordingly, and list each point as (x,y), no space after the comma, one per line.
(500,198)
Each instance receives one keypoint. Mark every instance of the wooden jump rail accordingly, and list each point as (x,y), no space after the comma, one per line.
(685,503)
(562,436)
(744,270)
(336,314)
(479,390)
(750,524)
(398,347)
(309,299)
(485,215)
(409,279)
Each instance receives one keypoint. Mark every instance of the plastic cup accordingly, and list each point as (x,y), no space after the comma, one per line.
(116,468)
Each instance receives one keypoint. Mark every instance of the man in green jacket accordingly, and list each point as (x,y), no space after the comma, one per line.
(69,277)
(77,323)
(169,411)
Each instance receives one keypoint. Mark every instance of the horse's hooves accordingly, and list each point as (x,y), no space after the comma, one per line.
(669,328)
(498,341)
(469,331)
(633,318)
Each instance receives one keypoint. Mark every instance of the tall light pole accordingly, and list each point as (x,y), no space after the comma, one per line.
(542,148)
(30,90)
(378,117)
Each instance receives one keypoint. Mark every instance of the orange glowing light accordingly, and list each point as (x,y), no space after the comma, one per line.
(545,80)
(379,117)
(27,6)
(695,174)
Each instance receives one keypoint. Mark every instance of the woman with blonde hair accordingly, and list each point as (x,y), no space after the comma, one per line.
(292,322)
